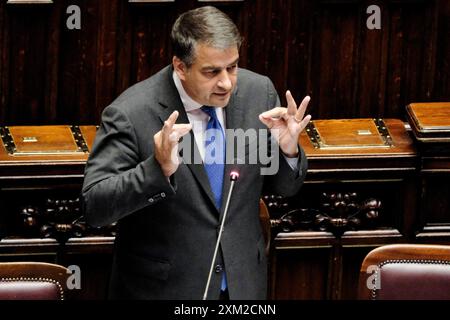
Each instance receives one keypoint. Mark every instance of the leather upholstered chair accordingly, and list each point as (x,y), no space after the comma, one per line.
(32,281)
(406,272)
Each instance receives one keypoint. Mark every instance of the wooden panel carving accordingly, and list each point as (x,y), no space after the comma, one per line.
(338,212)
(52,75)
(60,219)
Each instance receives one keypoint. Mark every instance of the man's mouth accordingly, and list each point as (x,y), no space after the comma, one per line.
(222,94)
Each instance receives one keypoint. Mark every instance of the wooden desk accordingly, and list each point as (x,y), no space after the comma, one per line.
(363,189)
(360,192)
(41,173)
(430,124)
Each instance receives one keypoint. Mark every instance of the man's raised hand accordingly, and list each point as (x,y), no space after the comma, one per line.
(166,144)
(286,124)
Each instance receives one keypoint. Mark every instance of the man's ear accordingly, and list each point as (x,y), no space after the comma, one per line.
(179,67)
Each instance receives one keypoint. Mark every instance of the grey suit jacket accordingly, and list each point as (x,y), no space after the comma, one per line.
(167,230)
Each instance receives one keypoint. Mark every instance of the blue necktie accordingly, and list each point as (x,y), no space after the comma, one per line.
(214,154)
(215,161)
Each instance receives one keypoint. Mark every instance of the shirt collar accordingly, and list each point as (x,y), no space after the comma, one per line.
(188,103)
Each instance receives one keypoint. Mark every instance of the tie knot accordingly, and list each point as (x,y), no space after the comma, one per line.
(209,111)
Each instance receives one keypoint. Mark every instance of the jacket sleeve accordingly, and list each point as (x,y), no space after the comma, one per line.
(286,181)
(117,183)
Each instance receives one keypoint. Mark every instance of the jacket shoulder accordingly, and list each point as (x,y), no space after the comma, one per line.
(247,76)
(252,85)
(143,94)
(249,80)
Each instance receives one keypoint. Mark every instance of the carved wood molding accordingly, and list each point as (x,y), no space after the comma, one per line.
(277,205)
(60,219)
(337,213)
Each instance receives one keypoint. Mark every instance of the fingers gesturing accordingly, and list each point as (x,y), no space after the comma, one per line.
(166,143)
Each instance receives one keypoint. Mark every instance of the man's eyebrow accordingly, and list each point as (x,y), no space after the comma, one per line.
(209,68)
(234,62)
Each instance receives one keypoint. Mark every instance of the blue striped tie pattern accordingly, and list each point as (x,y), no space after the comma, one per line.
(214,154)
(214,161)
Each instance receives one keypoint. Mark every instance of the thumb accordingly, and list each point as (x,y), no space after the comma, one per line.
(267,120)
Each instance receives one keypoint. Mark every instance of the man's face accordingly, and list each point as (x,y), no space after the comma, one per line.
(210,80)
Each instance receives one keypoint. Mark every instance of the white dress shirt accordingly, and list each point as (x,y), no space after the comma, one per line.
(199,120)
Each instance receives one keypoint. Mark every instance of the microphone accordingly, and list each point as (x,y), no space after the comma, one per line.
(234,176)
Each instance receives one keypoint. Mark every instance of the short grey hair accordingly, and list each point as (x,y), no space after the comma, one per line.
(207,25)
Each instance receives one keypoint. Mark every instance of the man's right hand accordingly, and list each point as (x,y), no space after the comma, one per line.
(166,144)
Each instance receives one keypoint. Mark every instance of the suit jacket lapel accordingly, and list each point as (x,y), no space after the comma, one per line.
(170,99)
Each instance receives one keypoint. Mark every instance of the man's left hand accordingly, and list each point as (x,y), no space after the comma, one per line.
(286,124)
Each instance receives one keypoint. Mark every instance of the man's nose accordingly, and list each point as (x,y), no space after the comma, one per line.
(224,80)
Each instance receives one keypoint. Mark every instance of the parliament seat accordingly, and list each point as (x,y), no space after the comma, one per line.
(406,272)
(32,281)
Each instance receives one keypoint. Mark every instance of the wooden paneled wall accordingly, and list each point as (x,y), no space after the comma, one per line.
(50,74)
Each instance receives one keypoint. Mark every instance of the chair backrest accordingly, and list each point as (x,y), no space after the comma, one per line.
(406,272)
(32,281)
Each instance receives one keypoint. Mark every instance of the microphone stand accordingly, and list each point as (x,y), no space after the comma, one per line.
(233,177)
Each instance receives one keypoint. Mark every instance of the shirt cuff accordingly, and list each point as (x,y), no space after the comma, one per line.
(292,162)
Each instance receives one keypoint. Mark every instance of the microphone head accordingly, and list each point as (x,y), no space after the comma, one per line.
(234,175)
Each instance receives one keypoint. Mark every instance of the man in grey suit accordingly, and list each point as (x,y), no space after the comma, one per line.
(168,208)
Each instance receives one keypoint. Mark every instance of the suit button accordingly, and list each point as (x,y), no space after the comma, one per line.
(218,268)
(163,195)
(151,200)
